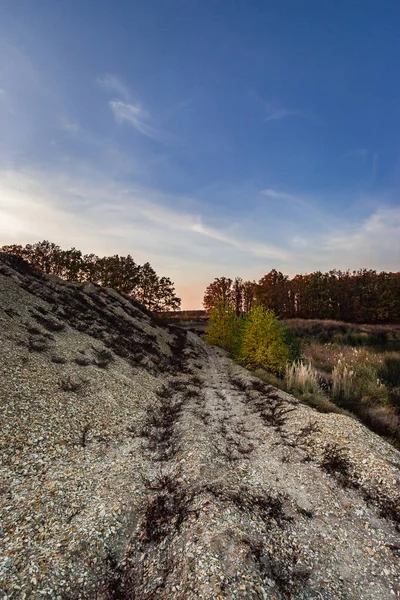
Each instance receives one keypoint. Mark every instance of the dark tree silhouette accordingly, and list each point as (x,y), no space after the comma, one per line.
(118,272)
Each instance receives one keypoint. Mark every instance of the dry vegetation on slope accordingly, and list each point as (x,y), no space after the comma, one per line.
(139,463)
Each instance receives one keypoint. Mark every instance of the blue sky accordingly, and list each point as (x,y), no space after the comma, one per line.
(208,137)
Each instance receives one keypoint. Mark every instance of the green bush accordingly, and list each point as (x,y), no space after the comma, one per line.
(263,344)
(224,328)
(389,373)
(256,340)
(294,344)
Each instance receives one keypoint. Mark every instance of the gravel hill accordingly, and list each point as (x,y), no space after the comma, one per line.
(138,463)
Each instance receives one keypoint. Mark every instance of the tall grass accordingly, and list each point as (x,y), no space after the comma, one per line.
(342,381)
(389,372)
(342,378)
(302,377)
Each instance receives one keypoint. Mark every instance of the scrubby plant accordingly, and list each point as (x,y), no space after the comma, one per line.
(69,383)
(103,358)
(256,340)
(389,372)
(263,344)
(352,384)
(225,328)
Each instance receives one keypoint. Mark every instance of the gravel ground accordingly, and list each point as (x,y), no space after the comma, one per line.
(139,463)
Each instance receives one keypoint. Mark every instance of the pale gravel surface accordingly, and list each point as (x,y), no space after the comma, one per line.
(211,488)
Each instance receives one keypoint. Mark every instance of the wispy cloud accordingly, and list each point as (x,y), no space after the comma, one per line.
(97,211)
(113,85)
(276,114)
(275,195)
(94,212)
(135,116)
(124,110)
(293,199)
(69,126)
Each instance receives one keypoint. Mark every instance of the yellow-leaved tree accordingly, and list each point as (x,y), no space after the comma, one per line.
(263,342)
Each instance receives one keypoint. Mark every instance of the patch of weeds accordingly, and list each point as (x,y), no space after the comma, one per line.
(69,383)
(11,312)
(275,415)
(83,361)
(84,433)
(308,514)
(191,393)
(261,387)
(159,428)
(34,330)
(268,506)
(103,358)
(178,361)
(37,344)
(167,510)
(336,463)
(59,360)
(49,323)
(390,371)
(239,384)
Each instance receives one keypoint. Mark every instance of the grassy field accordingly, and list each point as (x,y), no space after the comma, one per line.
(353,369)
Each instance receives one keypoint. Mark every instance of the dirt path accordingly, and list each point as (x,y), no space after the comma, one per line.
(238,506)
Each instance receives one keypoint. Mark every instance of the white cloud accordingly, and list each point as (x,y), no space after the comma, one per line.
(98,215)
(275,195)
(91,211)
(135,116)
(69,126)
(111,84)
(373,243)
(281,113)
(276,113)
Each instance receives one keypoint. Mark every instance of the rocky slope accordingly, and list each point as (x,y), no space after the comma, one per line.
(136,462)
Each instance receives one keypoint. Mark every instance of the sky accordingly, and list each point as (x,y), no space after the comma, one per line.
(208,137)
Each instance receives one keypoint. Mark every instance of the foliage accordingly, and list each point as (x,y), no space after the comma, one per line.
(118,272)
(255,340)
(389,372)
(263,343)
(220,327)
(363,296)
(237,293)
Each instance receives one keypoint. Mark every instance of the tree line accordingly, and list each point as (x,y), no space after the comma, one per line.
(363,296)
(121,273)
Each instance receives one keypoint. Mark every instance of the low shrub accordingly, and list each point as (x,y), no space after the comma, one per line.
(38,344)
(256,340)
(103,358)
(49,323)
(352,384)
(69,383)
(263,344)
(389,372)
(60,360)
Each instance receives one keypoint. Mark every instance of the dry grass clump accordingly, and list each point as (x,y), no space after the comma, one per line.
(302,377)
